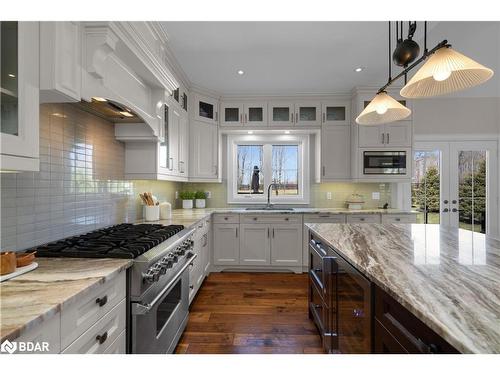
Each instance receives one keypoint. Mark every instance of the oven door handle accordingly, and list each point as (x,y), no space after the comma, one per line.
(142,309)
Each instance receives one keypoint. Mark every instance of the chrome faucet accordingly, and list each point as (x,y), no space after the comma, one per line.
(269,194)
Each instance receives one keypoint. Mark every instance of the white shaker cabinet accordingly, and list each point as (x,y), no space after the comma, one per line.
(286,245)
(60,62)
(390,135)
(203,151)
(19,132)
(226,247)
(248,114)
(255,247)
(335,153)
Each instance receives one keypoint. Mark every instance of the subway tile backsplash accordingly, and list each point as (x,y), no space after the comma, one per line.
(80,185)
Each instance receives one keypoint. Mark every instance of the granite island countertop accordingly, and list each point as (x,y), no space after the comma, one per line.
(32,298)
(448,278)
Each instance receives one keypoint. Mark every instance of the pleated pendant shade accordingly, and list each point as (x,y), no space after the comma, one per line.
(445,71)
(382,110)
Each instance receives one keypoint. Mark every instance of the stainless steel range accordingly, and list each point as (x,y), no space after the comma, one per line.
(158,281)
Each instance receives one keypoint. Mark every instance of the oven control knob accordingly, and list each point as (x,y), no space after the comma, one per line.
(160,268)
(173,256)
(180,250)
(151,275)
(167,262)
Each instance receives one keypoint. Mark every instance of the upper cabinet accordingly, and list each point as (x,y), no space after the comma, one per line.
(307,113)
(281,113)
(396,134)
(302,113)
(205,109)
(335,112)
(249,114)
(19,87)
(203,152)
(60,62)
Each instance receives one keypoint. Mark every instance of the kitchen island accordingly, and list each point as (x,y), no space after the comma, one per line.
(448,278)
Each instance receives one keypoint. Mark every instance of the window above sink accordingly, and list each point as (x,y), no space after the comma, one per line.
(256,161)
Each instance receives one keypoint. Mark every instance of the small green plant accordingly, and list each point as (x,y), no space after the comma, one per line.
(186,195)
(200,195)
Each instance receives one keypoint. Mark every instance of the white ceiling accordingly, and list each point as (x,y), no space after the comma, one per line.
(311,57)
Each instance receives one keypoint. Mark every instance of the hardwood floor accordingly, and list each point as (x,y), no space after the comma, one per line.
(251,313)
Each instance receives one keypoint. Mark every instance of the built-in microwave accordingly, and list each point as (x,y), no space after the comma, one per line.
(384,162)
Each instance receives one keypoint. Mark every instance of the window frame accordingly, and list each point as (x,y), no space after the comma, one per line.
(302,141)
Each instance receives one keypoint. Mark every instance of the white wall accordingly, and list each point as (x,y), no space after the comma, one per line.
(443,116)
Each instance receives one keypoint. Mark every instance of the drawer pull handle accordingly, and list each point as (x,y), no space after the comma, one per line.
(255,219)
(102,301)
(398,219)
(191,287)
(361,219)
(102,338)
(287,218)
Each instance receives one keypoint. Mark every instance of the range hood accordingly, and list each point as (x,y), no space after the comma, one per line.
(109,110)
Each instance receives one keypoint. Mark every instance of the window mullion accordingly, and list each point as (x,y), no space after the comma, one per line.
(267,165)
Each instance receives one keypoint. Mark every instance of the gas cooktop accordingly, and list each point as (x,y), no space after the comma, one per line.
(119,241)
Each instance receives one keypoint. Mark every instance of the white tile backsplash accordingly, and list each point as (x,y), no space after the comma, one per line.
(80,185)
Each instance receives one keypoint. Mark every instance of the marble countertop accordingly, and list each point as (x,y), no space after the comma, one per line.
(189,217)
(449,278)
(32,298)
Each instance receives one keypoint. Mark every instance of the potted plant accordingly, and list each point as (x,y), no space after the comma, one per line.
(200,201)
(187,199)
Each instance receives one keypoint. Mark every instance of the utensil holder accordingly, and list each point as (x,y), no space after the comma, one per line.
(152,213)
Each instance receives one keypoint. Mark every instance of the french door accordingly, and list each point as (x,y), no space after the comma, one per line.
(455,184)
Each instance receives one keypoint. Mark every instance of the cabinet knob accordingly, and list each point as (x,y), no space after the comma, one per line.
(287,218)
(255,219)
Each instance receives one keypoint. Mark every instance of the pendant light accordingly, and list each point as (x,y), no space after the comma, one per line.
(383,108)
(445,71)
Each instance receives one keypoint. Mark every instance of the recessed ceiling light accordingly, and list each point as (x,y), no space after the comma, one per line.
(241,72)
(359,69)
(287,131)
(99,99)
(249,132)
(12,75)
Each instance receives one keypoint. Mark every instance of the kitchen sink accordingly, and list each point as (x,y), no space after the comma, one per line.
(269,209)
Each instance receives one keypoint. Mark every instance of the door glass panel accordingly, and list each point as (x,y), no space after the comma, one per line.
(168,306)
(335,113)
(206,110)
(307,113)
(232,115)
(285,165)
(8,78)
(281,114)
(250,178)
(425,187)
(164,144)
(472,190)
(255,114)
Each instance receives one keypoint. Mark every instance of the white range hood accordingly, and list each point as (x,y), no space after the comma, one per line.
(120,64)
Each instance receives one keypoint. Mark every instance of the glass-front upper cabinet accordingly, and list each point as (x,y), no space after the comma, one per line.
(231,114)
(164,149)
(206,109)
(335,112)
(255,114)
(307,113)
(281,113)
(19,87)
(9,77)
